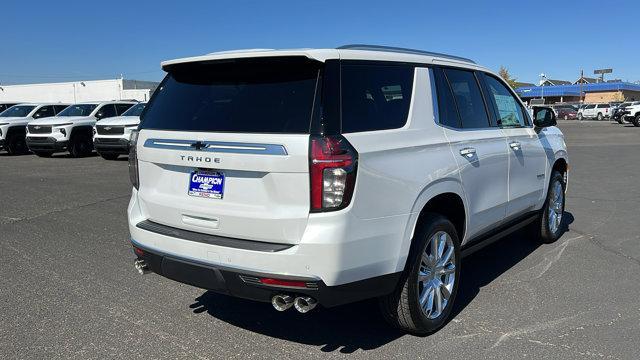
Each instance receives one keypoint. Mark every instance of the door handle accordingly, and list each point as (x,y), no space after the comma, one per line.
(468,152)
(515,145)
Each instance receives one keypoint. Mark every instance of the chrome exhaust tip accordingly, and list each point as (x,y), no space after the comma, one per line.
(282,302)
(141,266)
(304,304)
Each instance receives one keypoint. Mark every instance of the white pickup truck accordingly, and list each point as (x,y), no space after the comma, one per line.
(594,111)
(631,113)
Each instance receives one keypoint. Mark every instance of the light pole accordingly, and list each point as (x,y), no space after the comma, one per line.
(543,78)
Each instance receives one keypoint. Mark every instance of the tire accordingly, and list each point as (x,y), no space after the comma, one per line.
(80,145)
(44,154)
(16,145)
(600,117)
(580,117)
(402,308)
(636,120)
(109,156)
(548,232)
(566,117)
(620,121)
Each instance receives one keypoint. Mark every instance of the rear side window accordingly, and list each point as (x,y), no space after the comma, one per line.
(468,98)
(375,97)
(269,95)
(446,103)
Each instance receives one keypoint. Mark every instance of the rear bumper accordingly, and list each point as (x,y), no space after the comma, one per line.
(247,285)
(111,145)
(41,143)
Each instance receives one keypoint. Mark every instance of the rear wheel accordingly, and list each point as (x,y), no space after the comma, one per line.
(580,116)
(600,117)
(620,121)
(566,117)
(80,145)
(425,295)
(636,120)
(16,145)
(109,156)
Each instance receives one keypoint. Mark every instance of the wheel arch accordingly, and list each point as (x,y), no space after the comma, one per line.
(445,197)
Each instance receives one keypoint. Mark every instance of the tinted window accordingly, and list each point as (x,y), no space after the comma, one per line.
(375,97)
(122,108)
(59,108)
(603,106)
(78,110)
(446,104)
(468,98)
(135,110)
(44,111)
(271,95)
(18,111)
(508,108)
(590,106)
(106,111)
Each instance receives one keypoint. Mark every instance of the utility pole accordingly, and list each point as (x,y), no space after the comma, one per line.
(581,81)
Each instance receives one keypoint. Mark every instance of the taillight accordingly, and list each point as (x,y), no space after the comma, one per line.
(332,168)
(133,160)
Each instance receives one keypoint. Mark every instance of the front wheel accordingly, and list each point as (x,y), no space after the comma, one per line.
(550,223)
(426,292)
(80,146)
(580,117)
(636,120)
(619,120)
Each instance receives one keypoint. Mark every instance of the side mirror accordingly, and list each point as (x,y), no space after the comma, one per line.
(99,115)
(544,117)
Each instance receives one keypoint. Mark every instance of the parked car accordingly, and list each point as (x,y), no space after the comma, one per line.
(567,113)
(111,136)
(305,177)
(617,113)
(5,105)
(72,129)
(632,113)
(594,111)
(13,124)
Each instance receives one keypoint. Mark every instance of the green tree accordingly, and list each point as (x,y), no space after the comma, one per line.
(504,74)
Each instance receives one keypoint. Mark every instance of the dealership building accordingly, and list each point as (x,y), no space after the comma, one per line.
(601,92)
(79,91)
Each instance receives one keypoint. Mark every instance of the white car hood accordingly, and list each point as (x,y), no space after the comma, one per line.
(60,120)
(11,120)
(120,120)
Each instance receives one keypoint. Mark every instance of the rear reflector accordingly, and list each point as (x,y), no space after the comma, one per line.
(138,252)
(277,282)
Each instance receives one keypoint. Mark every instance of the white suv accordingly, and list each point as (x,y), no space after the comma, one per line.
(111,136)
(72,129)
(14,120)
(594,111)
(305,177)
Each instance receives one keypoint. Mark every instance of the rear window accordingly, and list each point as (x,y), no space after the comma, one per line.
(270,95)
(375,97)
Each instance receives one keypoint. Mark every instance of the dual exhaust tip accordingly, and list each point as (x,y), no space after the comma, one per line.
(141,266)
(303,304)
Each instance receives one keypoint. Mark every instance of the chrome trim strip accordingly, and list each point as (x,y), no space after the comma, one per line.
(217,146)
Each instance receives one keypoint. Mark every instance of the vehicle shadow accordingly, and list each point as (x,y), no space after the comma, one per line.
(359,325)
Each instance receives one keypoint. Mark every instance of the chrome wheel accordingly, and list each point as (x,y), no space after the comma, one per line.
(556,206)
(437,274)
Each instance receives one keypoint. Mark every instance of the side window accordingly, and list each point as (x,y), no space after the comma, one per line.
(375,97)
(507,106)
(121,108)
(446,104)
(106,111)
(468,98)
(45,111)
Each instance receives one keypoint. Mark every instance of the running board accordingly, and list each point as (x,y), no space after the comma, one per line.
(483,241)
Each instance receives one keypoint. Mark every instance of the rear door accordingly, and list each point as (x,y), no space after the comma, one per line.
(223,148)
(527,157)
(479,148)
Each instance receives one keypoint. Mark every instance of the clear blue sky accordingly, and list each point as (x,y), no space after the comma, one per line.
(79,40)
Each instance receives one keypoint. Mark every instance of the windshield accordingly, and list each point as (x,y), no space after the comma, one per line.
(273,95)
(17,111)
(78,110)
(135,110)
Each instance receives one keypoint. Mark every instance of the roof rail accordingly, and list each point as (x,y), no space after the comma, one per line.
(402,50)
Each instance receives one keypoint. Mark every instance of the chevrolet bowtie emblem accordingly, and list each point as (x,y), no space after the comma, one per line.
(198,145)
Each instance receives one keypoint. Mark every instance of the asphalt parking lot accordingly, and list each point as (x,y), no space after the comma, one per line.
(68,288)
